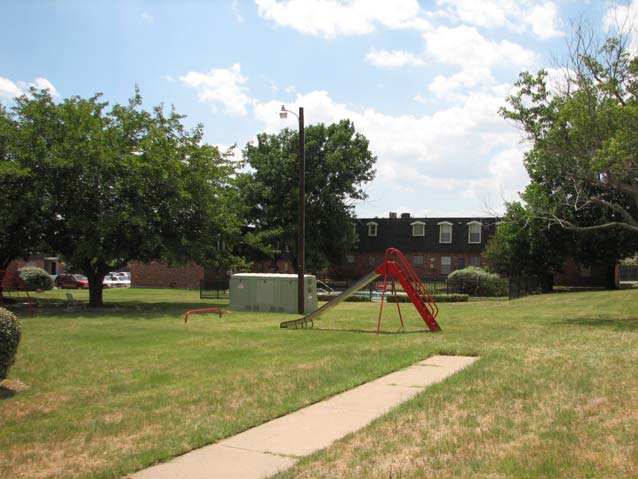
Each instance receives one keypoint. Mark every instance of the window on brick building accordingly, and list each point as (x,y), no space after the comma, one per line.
(474,232)
(445,232)
(418,228)
(446,264)
(372,261)
(417,260)
(585,271)
(349,258)
(372,229)
(475,261)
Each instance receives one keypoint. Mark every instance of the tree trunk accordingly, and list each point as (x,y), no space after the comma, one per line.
(547,282)
(95,292)
(611,277)
(95,275)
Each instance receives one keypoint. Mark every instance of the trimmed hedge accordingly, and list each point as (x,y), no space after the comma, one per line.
(351,299)
(9,340)
(439,298)
(35,278)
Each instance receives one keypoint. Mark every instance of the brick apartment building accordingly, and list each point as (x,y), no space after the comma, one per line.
(434,246)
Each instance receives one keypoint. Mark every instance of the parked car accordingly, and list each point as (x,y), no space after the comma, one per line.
(124,276)
(72,281)
(113,281)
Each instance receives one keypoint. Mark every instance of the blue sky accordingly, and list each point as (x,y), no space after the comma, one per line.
(422,80)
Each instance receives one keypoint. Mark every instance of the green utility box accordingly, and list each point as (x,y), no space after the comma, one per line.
(276,293)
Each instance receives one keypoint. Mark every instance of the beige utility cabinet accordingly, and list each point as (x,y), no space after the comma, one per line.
(272,293)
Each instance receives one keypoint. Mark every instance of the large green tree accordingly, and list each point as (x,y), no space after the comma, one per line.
(582,125)
(124,184)
(583,130)
(338,165)
(526,246)
(22,208)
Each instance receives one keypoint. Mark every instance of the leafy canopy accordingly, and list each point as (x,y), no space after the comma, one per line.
(123,184)
(338,165)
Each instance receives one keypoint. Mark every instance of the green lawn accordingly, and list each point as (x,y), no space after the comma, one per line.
(103,393)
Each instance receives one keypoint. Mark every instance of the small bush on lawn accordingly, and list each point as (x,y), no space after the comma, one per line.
(35,278)
(476,281)
(439,298)
(9,340)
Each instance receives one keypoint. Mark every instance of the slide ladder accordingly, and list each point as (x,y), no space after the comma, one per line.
(395,266)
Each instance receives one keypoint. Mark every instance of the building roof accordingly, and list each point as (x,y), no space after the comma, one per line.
(397,233)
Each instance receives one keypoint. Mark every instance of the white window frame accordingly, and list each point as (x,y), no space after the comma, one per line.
(420,261)
(475,261)
(469,232)
(415,226)
(441,224)
(372,227)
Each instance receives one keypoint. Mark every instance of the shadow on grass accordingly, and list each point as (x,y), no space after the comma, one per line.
(130,309)
(6,393)
(622,324)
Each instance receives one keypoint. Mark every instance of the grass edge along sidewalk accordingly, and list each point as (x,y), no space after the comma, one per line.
(274,446)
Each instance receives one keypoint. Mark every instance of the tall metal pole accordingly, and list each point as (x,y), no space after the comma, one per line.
(301,247)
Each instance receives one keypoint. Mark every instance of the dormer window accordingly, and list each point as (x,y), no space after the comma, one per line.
(445,232)
(474,232)
(418,228)
(372,229)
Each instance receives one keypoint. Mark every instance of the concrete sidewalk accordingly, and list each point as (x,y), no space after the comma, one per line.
(274,446)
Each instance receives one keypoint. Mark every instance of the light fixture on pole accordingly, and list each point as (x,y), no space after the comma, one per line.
(301,218)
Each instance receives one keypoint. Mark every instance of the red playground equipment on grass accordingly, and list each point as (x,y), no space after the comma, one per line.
(204,310)
(395,266)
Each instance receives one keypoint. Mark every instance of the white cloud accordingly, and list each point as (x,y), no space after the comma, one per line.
(147,18)
(392,59)
(44,84)
(10,89)
(544,20)
(541,18)
(466,47)
(338,17)
(623,18)
(221,87)
(467,150)
(468,79)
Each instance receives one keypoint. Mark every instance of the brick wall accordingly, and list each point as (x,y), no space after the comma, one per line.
(159,275)
(427,267)
(575,275)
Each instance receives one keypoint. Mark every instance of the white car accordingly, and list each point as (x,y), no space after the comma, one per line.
(124,276)
(113,281)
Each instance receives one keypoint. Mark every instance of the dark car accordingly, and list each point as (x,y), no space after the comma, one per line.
(73,281)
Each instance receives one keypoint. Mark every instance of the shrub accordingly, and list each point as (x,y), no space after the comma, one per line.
(439,298)
(9,340)
(477,282)
(351,299)
(35,278)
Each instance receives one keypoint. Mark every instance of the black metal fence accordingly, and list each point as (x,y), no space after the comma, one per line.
(214,289)
(628,273)
(522,286)
(479,290)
